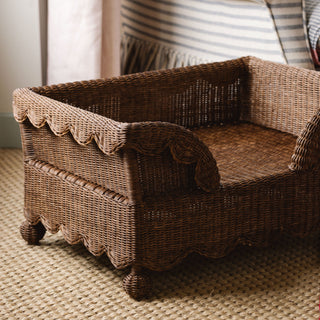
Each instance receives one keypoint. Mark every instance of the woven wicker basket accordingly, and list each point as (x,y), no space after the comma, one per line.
(150,167)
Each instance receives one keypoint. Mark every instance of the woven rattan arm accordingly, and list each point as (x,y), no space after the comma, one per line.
(286,98)
(111,136)
(306,154)
(153,138)
(63,118)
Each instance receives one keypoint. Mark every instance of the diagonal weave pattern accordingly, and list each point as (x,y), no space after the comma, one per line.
(59,281)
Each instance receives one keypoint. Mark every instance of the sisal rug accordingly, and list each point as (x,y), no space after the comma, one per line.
(59,281)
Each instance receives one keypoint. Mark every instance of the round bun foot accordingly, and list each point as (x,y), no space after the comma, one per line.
(32,233)
(137,284)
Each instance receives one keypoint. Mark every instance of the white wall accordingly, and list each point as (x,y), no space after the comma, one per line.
(20,57)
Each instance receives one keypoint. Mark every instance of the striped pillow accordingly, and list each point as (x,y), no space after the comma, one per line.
(170,33)
(313,23)
(290,24)
(163,34)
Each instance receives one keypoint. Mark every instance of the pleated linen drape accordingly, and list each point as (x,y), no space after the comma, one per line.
(83,40)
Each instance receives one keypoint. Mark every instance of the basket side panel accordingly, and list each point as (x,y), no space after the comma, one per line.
(161,174)
(214,224)
(102,220)
(87,162)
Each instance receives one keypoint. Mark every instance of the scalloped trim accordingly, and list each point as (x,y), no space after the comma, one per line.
(62,118)
(223,250)
(72,237)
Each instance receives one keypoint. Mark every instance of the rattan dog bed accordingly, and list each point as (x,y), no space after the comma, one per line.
(150,167)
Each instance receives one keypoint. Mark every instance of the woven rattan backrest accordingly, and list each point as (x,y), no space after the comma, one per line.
(192,96)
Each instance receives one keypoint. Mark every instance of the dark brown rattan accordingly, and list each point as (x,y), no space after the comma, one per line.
(150,167)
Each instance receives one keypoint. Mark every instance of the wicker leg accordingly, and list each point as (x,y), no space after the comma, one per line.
(137,283)
(32,233)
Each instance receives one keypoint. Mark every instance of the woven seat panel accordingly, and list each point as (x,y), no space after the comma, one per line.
(246,151)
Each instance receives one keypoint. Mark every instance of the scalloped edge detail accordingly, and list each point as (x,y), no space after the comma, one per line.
(223,251)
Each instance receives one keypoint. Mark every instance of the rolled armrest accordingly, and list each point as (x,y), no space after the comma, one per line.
(306,154)
(152,138)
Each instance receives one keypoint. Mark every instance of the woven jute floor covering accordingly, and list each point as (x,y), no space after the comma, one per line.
(59,281)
